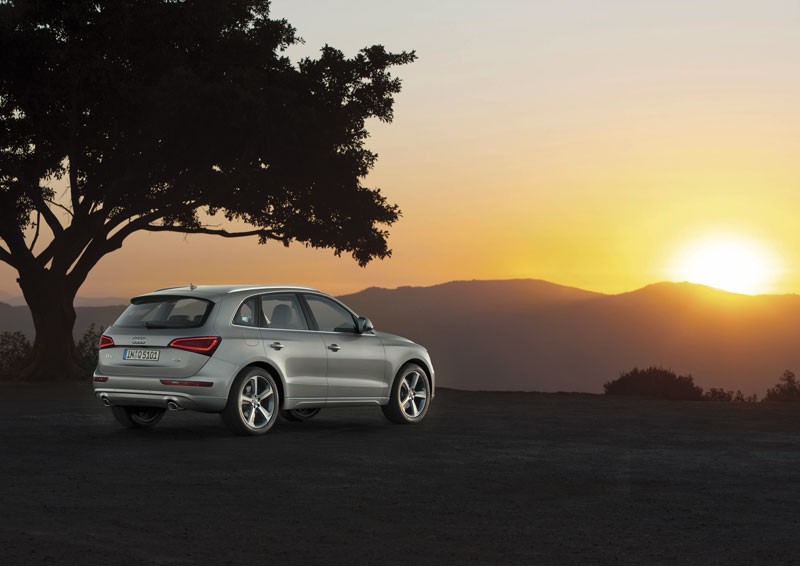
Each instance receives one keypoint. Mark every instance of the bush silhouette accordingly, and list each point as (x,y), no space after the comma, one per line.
(786,390)
(14,351)
(719,395)
(655,382)
(86,349)
(740,398)
(723,396)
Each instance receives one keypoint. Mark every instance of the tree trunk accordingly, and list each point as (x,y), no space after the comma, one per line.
(50,300)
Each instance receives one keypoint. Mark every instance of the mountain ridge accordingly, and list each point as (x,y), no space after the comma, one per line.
(531,334)
(724,339)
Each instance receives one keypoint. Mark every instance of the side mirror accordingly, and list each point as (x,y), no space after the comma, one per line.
(364,325)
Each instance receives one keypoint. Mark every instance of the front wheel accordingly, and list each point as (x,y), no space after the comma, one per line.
(253,403)
(410,396)
(137,417)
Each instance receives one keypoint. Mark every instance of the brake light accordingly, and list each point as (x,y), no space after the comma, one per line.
(201,345)
(106,341)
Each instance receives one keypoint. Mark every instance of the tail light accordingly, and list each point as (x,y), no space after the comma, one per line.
(106,341)
(200,345)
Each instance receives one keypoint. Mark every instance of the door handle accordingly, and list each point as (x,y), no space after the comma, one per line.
(334,348)
(276,345)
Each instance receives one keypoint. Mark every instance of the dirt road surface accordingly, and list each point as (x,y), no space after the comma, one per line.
(488,478)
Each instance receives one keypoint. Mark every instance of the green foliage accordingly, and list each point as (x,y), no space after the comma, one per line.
(655,382)
(727,396)
(740,398)
(787,390)
(157,115)
(15,349)
(86,349)
(719,395)
(166,110)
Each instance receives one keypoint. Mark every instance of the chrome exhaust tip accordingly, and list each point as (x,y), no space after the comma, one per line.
(173,406)
(105,400)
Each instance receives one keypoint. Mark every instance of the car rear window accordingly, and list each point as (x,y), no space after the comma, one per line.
(165,312)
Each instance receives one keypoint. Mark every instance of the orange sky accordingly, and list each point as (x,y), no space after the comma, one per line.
(576,141)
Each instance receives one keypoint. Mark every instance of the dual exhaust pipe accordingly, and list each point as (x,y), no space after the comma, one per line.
(172,404)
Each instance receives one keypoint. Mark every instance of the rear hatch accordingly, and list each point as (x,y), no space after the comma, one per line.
(159,336)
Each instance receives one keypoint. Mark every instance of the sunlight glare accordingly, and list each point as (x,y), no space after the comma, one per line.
(731,263)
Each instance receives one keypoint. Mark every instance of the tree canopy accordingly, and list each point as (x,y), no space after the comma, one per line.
(158,113)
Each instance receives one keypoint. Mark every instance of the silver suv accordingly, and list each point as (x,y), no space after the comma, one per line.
(252,353)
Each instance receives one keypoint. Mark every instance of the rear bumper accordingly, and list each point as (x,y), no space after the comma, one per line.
(155,398)
(201,392)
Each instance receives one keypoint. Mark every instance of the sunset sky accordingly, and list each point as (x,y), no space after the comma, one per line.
(593,144)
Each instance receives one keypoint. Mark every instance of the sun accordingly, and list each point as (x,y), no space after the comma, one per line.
(731,263)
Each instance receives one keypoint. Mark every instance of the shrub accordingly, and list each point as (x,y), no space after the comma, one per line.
(655,382)
(14,350)
(740,398)
(786,390)
(86,348)
(722,396)
(719,395)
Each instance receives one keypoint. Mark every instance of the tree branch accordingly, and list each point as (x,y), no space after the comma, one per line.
(18,253)
(91,254)
(36,234)
(148,215)
(49,217)
(59,205)
(50,251)
(214,232)
(6,257)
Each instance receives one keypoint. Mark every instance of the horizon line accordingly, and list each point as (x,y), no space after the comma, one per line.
(18,300)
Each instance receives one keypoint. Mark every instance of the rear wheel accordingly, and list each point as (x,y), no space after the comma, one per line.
(410,396)
(253,403)
(137,417)
(300,415)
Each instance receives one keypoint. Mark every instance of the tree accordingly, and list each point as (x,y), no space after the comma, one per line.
(160,114)
(655,382)
(786,390)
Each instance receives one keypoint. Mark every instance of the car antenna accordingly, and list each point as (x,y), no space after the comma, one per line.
(192,286)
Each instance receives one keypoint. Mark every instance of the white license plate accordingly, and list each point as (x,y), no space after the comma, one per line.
(151,355)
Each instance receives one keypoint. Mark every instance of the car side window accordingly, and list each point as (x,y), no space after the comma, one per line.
(282,312)
(330,315)
(247,313)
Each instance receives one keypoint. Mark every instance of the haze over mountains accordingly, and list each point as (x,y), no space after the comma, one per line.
(534,335)
(537,336)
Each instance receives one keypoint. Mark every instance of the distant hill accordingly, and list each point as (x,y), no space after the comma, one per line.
(19,318)
(19,301)
(534,335)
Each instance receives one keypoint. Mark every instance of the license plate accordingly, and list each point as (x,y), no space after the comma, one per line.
(150,355)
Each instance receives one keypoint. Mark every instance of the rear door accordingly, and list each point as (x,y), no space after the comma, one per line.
(356,362)
(293,346)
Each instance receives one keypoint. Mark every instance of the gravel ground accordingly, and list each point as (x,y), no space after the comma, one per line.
(488,478)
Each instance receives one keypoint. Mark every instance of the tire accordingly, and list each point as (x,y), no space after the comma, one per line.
(138,417)
(410,396)
(300,415)
(253,403)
